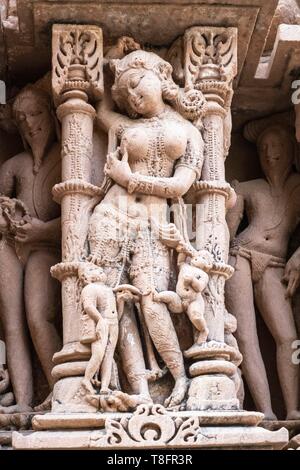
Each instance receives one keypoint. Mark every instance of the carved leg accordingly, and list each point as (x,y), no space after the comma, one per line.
(164,337)
(42,294)
(277,313)
(98,348)
(131,353)
(107,363)
(156,315)
(172,299)
(104,232)
(15,330)
(195,313)
(242,306)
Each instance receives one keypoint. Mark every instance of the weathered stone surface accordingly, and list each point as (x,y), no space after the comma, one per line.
(152,427)
(143,119)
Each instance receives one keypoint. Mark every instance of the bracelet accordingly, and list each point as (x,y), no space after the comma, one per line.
(140,183)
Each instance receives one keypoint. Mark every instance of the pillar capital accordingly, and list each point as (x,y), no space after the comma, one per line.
(77,56)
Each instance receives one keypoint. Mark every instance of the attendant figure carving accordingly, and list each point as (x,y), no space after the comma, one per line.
(29,296)
(258,253)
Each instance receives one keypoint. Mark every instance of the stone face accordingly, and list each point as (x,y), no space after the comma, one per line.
(119,194)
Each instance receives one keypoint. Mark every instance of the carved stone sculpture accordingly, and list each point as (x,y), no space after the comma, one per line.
(258,254)
(167,143)
(154,154)
(30,242)
(99,305)
(158,157)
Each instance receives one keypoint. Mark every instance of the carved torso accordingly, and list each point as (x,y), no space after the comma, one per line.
(34,190)
(153,145)
(103,298)
(272,215)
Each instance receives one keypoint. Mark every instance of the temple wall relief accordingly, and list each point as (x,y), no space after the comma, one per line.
(149,259)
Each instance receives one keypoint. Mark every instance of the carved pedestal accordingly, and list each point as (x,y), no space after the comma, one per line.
(151,427)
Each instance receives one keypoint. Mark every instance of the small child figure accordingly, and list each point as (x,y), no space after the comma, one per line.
(192,280)
(100,325)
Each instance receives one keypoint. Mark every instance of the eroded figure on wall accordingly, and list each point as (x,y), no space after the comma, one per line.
(155,154)
(263,276)
(30,226)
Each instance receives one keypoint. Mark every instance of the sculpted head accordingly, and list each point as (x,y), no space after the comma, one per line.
(202,259)
(32,112)
(143,82)
(89,273)
(276,147)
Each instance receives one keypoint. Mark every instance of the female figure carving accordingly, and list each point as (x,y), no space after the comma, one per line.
(155,155)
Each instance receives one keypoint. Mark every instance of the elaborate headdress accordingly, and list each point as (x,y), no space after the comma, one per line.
(142,59)
(190,104)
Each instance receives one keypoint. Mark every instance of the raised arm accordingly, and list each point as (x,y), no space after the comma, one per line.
(235,214)
(107,118)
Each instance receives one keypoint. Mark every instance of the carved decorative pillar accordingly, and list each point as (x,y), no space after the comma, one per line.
(76,78)
(210,63)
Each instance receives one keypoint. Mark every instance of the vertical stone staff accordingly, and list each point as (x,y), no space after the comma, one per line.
(210,64)
(77,78)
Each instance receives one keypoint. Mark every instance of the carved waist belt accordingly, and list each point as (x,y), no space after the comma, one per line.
(259,261)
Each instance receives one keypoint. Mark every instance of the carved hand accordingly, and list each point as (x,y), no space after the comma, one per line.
(292,274)
(32,231)
(118,170)
(170,235)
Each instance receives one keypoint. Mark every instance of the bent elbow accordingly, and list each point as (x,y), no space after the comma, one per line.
(181,188)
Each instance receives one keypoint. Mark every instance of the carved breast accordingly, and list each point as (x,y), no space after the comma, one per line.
(155,143)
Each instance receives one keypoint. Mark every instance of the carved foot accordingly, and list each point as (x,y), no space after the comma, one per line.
(45,405)
(202,336)
(120,401)
(194,349)
(15,409)
(292,415)
(96,383)
(86,384)
(155,374)
(178,393)
(93,400)
(270,416)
